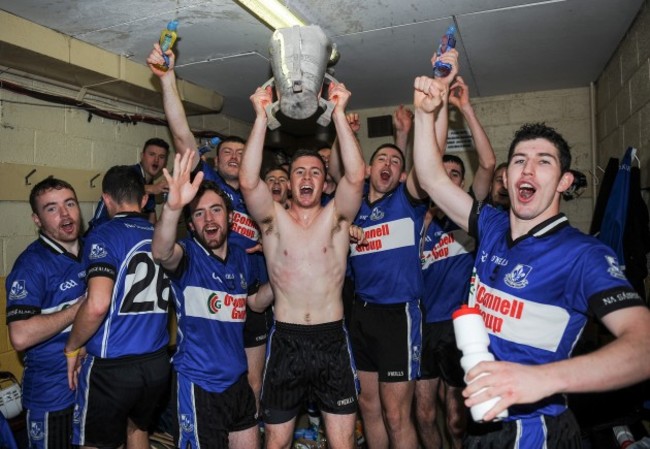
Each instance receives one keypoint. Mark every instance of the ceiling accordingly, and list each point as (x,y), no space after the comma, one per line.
(506,46)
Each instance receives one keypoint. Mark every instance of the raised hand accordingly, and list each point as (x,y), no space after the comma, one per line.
(353,121)
(402,119)
(428,95)
(449,57)
(155,60)
(459,93)
(261,98)
(339,95)
(180,190)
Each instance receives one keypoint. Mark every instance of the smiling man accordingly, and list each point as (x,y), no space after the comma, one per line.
(536,279)
(245,232)
(306,247)
(277,179)
(44,288)
(152,160)
(213,282)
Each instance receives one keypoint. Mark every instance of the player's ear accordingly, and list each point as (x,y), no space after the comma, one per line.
(565,181)
(37,221)
(143,203)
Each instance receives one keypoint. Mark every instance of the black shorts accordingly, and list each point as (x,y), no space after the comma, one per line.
(111,391)
(256,327)
(550,432)
(204,419)
(308,362)
(49,430)
(440,355)
(387,339)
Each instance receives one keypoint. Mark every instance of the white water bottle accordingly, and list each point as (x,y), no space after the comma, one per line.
(473,340)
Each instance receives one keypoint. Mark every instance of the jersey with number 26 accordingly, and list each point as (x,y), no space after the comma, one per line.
(136,321)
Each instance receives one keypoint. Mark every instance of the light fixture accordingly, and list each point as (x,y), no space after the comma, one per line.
(273,13)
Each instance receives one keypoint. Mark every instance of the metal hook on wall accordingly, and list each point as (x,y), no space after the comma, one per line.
(27,183)
(92,180)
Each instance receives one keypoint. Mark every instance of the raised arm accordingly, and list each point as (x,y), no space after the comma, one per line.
(174,111)
(454,202)
(257,195)
(164,248)
(350,188)
(335,168)
(440,124)
(459,97)
(402,123)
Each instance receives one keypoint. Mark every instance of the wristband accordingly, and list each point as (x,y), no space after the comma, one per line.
(71,354)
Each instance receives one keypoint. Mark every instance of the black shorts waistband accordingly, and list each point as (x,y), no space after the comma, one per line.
(129,359)
(395,306)
(309,329)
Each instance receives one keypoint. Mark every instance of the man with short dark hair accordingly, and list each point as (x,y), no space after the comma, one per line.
(306,247)
(123,324)
(152,160)
(277,179)
(536,279)
(213,282)
(44,290)
(385,325)
(498,192)
(448,254)
(225,174)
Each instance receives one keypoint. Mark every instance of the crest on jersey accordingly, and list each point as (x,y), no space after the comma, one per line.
(186,423)
(517,277)
(377,214)
(484,256)
(97,251)
(614,269)
(18,290)
(242,282)
(36,430)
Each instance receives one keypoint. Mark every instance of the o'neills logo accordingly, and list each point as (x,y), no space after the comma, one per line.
(244,225)
(373,236)
(491,302)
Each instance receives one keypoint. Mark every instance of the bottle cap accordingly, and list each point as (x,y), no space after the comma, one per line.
(466,310)
(172,25)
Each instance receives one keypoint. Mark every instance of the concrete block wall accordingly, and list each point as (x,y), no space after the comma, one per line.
(567,110)
(33,132)
(623,99)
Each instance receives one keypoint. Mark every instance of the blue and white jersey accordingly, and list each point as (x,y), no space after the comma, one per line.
(101,213)
(244,231)
(45,279)
(388,269)
(447,261)
(136,322)
(210,295)
(535,293)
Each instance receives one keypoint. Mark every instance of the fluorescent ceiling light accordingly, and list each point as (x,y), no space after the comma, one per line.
(272,13)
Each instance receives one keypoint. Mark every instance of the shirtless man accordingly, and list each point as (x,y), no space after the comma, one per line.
(306,248)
